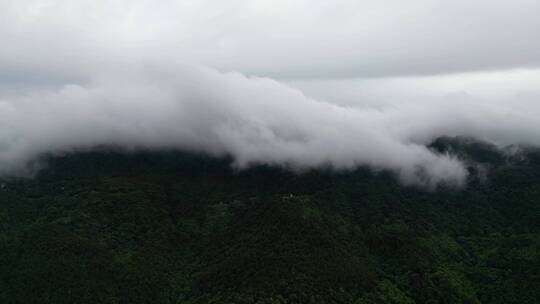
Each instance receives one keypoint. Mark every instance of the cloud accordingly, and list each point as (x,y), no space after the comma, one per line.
(256,120)
(141,74)
(500,107)
(278,39)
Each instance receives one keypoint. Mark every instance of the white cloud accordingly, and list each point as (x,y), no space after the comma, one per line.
(256,120)
(75,74)
(280,39)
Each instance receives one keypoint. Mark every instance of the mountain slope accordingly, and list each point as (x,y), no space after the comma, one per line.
(172,227)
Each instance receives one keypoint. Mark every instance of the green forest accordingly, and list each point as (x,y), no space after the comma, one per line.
(108,226)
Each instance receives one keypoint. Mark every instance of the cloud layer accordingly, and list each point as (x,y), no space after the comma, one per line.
(259,120)
(256,120)
(278,39)
(345,90)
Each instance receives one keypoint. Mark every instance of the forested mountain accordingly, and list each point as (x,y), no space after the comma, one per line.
(174,227)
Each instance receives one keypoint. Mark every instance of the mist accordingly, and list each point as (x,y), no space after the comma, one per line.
(78,74)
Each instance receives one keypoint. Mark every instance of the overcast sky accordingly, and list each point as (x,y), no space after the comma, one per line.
(297,82)
(279,39)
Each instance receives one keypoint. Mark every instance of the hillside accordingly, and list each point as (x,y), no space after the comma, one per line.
(175,227)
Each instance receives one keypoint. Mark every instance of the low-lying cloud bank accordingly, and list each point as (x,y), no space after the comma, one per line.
(255,120)
(80,74)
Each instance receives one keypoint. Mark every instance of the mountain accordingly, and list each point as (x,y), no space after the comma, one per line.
(106,226)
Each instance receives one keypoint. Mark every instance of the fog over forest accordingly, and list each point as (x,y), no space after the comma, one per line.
(301,84)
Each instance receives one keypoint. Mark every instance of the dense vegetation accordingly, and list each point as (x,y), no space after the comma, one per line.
(171,227)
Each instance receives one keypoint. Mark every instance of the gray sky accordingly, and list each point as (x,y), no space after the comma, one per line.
(279,39)
(298,83)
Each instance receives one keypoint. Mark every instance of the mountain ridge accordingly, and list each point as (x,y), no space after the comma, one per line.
(173,227)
